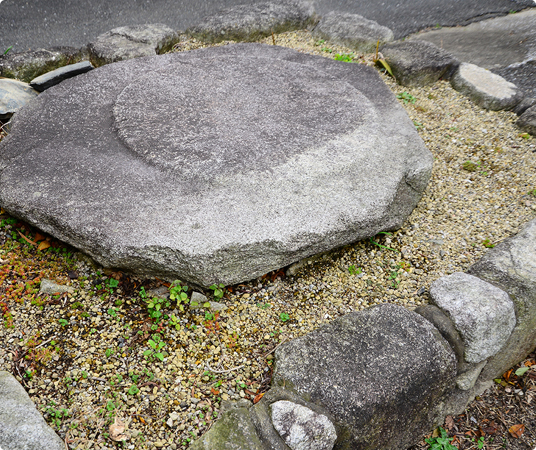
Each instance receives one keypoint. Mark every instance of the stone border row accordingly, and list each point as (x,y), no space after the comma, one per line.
(413,63)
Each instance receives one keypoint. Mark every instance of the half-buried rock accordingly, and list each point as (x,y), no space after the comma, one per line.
(217,165)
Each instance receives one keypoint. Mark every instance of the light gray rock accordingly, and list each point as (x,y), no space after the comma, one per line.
(482,313)
(26,66)
(486,89)
(131,42)
(527,121)
(160,292)
(234,430)
(369,367)
(21,426)
(302,428)
(197,300)
(353,31)
(467,379)
(217,165)
(250,22)
(417,63)
(54,77)
(51,287)
(511,265)
(13,96)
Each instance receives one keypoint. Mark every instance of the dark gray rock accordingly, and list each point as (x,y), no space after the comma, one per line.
(482,313)
(381,373)
(486,89)
(21,426)
(526,103)
(447,329)
(234,430)
(26,66)
(527,121)
(54,77)
(511,266)
(250,22)
(217,165)
(301,427)
(523,75)
(13,96)
(132,42)
(353,31)
(416,63)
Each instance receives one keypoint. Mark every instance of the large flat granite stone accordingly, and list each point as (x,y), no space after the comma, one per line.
(217,165)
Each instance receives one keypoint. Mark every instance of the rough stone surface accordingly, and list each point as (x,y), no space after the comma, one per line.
(217,165)
(416,63)
(250,22)
(527,121)
(131,42)
(483,314)
(511,265)
(21,426)
(526,103)
(467,379)
(26,66)
(234,430)
(380,372)
(51,287)
(54,77)
(13,96)
(486,89)
(302,428)
(353,31)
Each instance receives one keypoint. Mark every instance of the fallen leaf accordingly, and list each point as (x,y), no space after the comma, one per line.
(516,430)
(257,398)
(43,245)
(247,391)
(116,431)
(521,371)
(39,237)
(449,423)
(26,239)
(214,391)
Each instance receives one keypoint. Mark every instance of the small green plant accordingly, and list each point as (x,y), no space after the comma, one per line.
(111,284)
(354,270)
(218,290)
(487,243)
(8,49)
(112,312)
(63,322)
(109,352)
(156,344)
(174,322)
(406,97)
(418,125)
(177,292)
(56,414)
(524,135)
(442,442)
(470,166)
(372,241)
(154,307)
(320,42)
(326,49)
(283,317)
(345,57)
(133,390)
(393,276)
(533,193)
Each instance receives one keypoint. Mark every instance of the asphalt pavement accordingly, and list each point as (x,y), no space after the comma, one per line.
(33,24)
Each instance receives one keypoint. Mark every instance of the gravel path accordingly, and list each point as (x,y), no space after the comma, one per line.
(87,357)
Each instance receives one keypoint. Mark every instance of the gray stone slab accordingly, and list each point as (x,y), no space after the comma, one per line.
(511,265)
(526,103)
(486,89)
(353,31)
(13,96)
(416,63)
(28,65)
(253,21)
(217,165)
(527,121)
(131,42)
(369,367)
(21,426)
(54,77)
(506,45)
(482,313)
